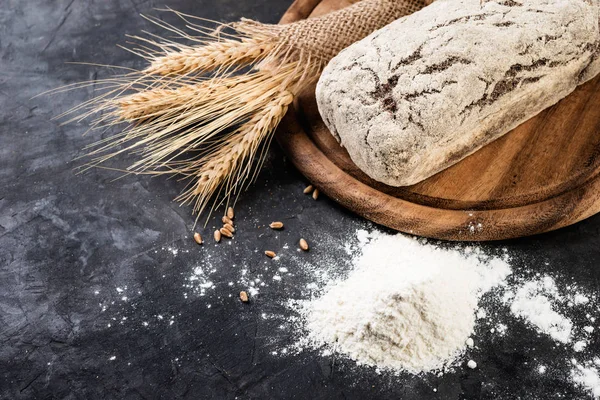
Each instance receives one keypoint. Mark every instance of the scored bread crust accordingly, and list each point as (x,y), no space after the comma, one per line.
(424,92)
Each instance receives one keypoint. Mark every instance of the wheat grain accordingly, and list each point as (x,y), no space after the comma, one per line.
(225,232)
(303,244)
(308,189)
(151,103)
(229,227)
(226,220)
(276,225)
(315,194)
(184,113)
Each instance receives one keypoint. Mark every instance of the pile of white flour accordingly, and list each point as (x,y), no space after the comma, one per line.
(406,305)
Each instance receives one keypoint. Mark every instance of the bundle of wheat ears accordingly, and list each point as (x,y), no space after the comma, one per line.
(207,109)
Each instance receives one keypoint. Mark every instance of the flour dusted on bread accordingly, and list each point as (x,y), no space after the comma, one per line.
(431,88)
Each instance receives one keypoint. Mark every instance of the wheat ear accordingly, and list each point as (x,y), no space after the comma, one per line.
(232,163)
(193,119)
(215,129)
(177,114)
(163,100)
(221,54)
(248,43)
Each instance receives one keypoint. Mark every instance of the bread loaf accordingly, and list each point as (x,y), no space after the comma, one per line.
(431,88)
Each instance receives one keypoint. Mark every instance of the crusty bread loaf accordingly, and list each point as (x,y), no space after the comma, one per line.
(429,89)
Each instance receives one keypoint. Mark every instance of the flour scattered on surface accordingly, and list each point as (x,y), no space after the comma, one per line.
(407,305)
(542,305)
(552,311)
(362,314)
(390,301)
(580,299)
(533,302)
(199,281)
(579,345)
(172,249)
(501,329)
(587,377)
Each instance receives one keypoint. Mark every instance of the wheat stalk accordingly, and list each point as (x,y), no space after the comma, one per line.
(213,130)
(173,113)
(189,118)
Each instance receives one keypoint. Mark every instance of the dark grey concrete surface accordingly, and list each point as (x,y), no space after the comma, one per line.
(93,304)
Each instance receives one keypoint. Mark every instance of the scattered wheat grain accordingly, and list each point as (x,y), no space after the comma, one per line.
(226,232)
(276,225)
(229,227)
(315,194)
(303,244)
(270,253)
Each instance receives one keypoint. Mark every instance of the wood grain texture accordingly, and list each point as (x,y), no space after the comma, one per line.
(300,9)
(543,175)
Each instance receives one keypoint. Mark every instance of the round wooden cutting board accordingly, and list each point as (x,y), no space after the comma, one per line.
(541,176)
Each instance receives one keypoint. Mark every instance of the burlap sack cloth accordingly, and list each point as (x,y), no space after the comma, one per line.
(327,35)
